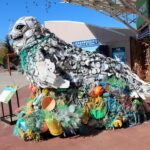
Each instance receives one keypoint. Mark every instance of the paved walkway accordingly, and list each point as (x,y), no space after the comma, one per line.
(15,79)
(135,138)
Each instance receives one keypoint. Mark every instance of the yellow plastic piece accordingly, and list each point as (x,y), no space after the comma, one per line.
(45,92)
(29,108)
(94,103)
(21,133)
(85,116)
(29,134)
(118,123)
(54,127)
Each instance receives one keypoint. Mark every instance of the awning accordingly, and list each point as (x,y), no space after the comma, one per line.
(123,10)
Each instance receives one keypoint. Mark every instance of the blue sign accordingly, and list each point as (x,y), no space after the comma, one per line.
(118,53)
(86,43)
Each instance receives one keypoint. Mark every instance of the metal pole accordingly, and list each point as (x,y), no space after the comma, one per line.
(2,109)
(130,27)
(17,98)
(10,111)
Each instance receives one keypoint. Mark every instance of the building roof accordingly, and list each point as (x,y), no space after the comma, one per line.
(71,31)
(82,23)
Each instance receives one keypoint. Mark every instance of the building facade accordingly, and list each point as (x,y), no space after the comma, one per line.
(112,42)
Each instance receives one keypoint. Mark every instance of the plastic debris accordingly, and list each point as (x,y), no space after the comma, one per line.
(106,111)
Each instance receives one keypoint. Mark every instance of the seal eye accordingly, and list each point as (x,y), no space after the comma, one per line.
(19,27)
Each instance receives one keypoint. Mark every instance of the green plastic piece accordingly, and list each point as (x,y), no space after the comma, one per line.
(136,101)
(23,55)
(98,113)
(79,111)
(114,82)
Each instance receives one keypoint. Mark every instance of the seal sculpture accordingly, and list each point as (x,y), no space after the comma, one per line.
(52,65)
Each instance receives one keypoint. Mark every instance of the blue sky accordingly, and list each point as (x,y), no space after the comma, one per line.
(11,10)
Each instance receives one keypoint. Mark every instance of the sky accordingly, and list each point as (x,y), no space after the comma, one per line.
(11,10)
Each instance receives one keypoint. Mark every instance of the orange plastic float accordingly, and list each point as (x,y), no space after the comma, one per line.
(48,103)
(97,91)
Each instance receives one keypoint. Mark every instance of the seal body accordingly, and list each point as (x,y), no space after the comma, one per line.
(49,62)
